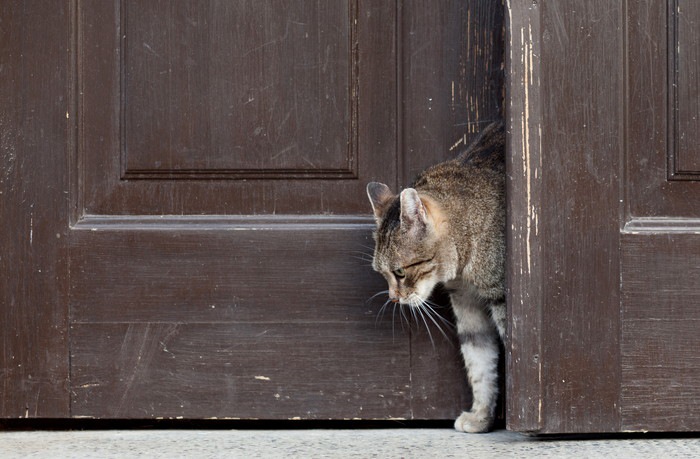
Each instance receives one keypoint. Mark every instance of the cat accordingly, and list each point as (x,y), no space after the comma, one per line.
(448,229)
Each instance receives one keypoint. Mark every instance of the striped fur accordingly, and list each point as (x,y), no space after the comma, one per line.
(448,229)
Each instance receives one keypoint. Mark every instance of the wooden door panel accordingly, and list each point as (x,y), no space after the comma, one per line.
(660,363)
(34,72)
(220,231)
(184,211)
(661,175)
(661,313)
(233,108)
(604,234)
(563,205)
(233,114)
(660,243)
(233,88)
(300,273)
(684,91)
(270,370)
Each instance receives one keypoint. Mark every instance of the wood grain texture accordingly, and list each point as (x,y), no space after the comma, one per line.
(272,370)
(33,183)
(684,69)
(661,316)
(660,244)
(565,349)
(149,296)
(278,302)
(451,78)
(323,127)
(223,275)
(246,275)
(525,268)
(581,357)
(660,122)
(238,89)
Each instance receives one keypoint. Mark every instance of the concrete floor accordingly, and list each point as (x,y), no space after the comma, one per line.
(318,443)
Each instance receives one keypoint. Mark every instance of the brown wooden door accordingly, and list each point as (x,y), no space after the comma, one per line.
(185,224)
(604,209)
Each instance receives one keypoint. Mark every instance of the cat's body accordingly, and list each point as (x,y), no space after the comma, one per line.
(449,229)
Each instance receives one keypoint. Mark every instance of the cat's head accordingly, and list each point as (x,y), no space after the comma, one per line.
(412,250)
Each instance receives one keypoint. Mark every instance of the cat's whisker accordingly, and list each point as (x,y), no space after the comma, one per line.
(421,312)
(362,256)
(382,310)
(402,310)
(370,248)
(432,319)
(383,292)
(422,308)
(368,261)
(430,306)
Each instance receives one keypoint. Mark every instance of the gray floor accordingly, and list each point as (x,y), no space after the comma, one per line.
(386,443)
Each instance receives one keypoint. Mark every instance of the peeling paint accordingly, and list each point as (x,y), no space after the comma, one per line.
(458,143)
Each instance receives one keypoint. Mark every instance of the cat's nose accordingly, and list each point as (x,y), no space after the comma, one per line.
(393,295)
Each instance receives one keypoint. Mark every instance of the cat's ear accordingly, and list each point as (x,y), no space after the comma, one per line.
(379,196)
(413,213)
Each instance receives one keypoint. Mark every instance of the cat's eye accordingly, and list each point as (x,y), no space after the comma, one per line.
(400,273)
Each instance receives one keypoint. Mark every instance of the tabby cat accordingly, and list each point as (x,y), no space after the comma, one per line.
(449,229)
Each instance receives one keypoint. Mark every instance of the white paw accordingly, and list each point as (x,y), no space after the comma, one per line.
(473,422)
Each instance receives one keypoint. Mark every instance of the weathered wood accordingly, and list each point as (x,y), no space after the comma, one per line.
(117,162)
(565,123)
(618,309)
(202,121)
(304,274)
(660,278)
(242,265)
(238,90)
(270,370)
(33,184)
(661,318)
(684,72)
(660,244)
(660,112)
(525,268)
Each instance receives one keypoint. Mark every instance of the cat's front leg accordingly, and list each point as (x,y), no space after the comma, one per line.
(479,345)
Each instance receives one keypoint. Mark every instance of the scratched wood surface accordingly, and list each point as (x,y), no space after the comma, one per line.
(661,318)
(660,243)
(135,160)
(33,181)
(222,108)
(565,123)
(603,191)
(525,270)
(241,311)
